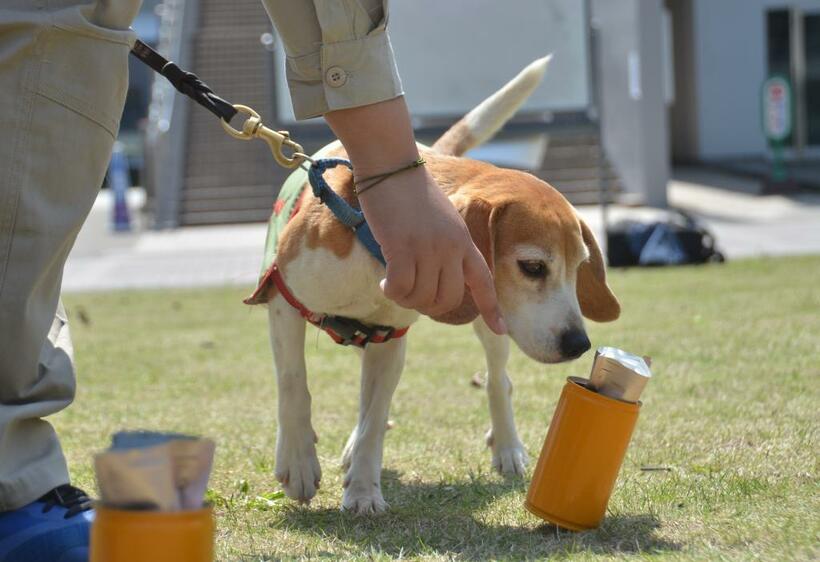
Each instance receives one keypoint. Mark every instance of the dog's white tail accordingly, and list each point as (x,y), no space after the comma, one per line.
(480,124)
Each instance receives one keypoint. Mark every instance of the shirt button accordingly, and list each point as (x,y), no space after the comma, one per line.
(336,76)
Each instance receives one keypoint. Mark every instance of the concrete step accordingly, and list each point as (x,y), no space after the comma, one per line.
(571,139)
(229,204)
(585,173)
(585,193)
(231,192)
(225,217)
(559,151)
(587,198)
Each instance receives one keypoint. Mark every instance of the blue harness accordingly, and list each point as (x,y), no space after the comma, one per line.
(347,215)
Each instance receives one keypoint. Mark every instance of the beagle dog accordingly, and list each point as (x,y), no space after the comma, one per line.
(548,273)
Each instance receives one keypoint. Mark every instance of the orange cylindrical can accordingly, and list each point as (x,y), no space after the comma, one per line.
(581,457)
(142,536)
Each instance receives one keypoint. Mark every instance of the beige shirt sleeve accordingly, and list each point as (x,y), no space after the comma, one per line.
(338,53)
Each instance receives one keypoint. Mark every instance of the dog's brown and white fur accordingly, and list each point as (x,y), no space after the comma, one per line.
(548,271)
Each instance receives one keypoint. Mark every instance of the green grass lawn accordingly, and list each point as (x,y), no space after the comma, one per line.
(732,410)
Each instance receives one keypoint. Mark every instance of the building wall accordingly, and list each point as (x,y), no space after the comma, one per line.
(683,112)
(617,37)
(634,115)
(730,66)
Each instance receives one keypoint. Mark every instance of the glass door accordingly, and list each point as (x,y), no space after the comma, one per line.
(811,94)
(793,50)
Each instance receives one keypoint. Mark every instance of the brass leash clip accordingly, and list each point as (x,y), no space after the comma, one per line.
(253,128)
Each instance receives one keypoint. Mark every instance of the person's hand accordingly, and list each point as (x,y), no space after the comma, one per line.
(430,255)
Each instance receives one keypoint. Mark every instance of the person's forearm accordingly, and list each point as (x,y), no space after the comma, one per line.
(378,137)
(430,256)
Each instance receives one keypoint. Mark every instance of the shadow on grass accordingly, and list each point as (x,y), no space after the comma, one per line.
(459,519)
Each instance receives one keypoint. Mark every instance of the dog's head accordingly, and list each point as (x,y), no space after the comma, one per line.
(548,268)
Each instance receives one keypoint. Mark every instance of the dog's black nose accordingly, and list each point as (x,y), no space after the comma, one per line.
(574,343)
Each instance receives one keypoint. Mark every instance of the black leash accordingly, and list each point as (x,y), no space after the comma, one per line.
(186,83)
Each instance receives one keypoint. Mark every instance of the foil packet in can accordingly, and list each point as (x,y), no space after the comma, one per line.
(619,374)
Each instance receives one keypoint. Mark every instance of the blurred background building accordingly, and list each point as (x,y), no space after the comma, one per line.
(723,51)
(636,86)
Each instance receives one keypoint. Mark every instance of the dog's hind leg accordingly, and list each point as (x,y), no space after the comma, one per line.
(509,456)
(297,466)
(382,364)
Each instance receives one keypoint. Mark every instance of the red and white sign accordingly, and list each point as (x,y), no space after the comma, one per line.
(777,108)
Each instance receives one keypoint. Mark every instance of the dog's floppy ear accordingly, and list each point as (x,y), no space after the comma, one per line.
(480,217)
(596,299)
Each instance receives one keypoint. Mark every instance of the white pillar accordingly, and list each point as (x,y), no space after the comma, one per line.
(634,113)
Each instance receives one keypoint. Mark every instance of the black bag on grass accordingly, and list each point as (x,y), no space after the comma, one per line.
(678,241)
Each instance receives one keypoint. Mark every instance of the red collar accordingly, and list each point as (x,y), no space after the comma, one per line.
(344,331)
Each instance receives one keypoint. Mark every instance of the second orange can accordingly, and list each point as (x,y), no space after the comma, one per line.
(151,536)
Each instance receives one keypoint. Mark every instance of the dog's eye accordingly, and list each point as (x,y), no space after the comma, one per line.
(533,268)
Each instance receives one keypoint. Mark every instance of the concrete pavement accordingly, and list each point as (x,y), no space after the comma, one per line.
(744,225)
(185,257)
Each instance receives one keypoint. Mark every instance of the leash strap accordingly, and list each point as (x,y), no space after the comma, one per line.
(347,215)
(344,331)
(190,85)
(186,83)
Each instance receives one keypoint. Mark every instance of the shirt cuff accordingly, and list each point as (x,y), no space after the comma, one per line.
(344,75)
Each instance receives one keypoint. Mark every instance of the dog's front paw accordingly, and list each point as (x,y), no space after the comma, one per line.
(363,498)
(509,456)
(297,466)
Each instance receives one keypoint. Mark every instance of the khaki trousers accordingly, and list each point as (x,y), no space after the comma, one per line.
(63,81)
